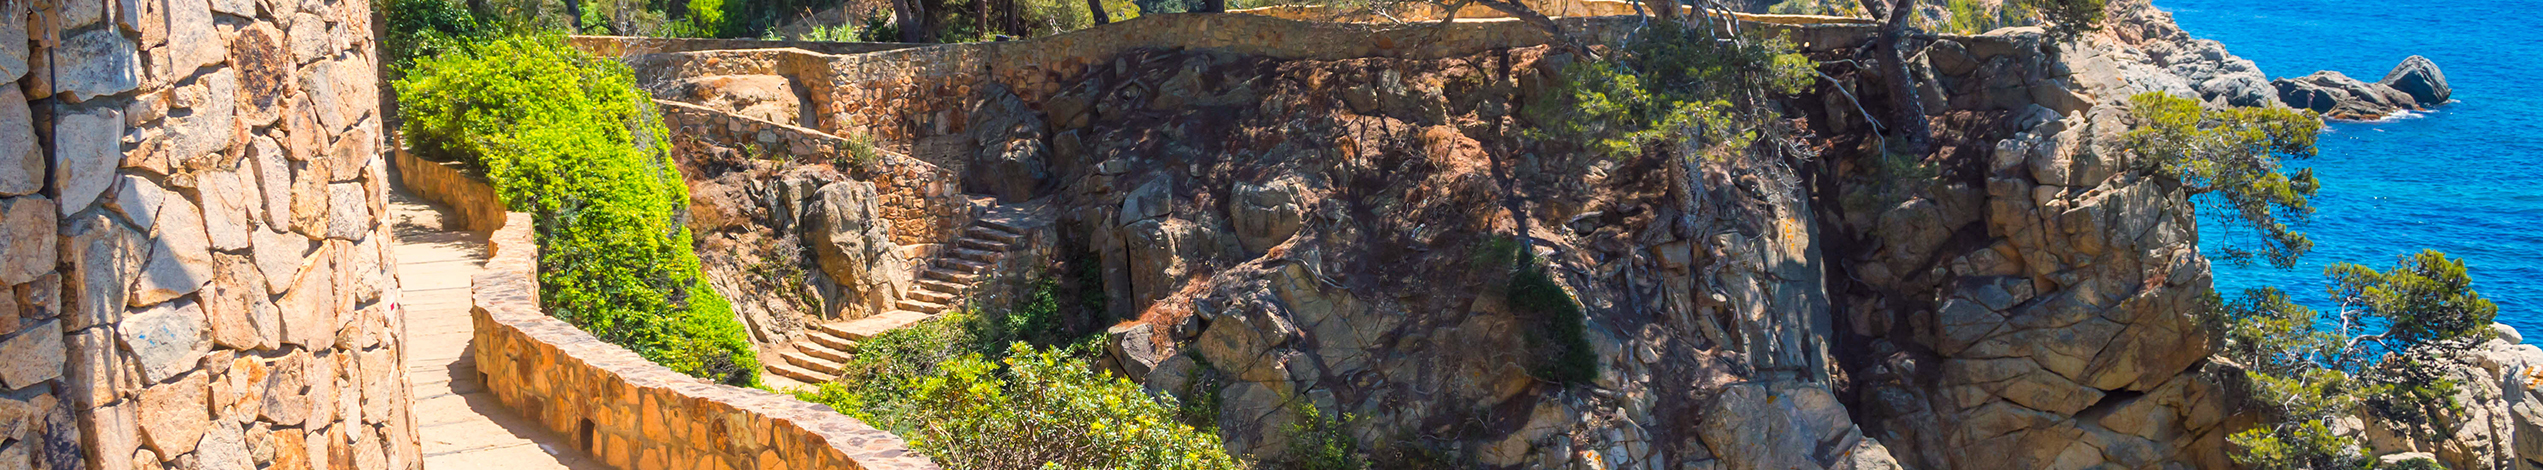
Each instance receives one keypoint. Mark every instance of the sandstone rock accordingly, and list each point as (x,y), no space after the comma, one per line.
(33,356)
(273,178)
(109,436)
(310,308)
(2420,78)
(13,42)
(27,244)
(349,214)
(180,256)
(167,339)
(353,153)
(852,243)
(311,201)
(211,127)
(21,161)
(138,199)
(190,34)
(232,207)
(279,256)
(97,63)
(174,415)
(1268,214)
(87,147)
(223,448)
(239,309)
(104,259)
(97,372)
(286,394)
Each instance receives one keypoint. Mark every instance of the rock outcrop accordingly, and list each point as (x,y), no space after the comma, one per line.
(2501,388)
(2415,85)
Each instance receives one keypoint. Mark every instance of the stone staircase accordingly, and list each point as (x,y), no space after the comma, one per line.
(956,272)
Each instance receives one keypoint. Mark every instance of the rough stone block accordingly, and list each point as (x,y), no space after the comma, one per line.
(104,257)
(180,256)
(174,416)
(27,238)
(33,356)
(310,308)
(97,63)
(211,126)
(87,147)
(21,161)
(109,435)
(190,34)
(138,200)
(168,339)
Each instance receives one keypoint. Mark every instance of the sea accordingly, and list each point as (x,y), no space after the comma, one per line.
(2465,178)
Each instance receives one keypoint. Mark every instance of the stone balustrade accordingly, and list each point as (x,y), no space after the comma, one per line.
(630,413)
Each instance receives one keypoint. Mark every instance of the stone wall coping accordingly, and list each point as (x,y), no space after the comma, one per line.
(506,311)
(1551,8)
(623,46)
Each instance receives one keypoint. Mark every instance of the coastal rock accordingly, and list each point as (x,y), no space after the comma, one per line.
(853,244)
(2337,96)
(2419,77)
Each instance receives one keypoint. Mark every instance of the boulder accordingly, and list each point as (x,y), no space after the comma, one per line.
(2339,97)
(1012,162)
(2420,78)
(853,244)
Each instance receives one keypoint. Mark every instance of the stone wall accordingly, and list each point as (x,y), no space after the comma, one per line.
(193,267)
(452,185)
(631,413)
(626,46)
(913,99)
(923,201)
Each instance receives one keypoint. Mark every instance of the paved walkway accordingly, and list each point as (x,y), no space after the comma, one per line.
(462,426)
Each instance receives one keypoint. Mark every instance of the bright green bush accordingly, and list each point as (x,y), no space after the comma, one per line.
(424,28)
(571,140)
(1033,408)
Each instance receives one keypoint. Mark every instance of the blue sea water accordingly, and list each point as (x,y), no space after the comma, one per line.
(2466,179)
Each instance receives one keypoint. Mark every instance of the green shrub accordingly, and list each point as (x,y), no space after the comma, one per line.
(1035,408)
(2301,377)
(1319,442)
(571,140)
(2232,156)
(424,28)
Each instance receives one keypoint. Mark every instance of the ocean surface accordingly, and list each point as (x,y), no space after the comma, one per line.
(2466,179)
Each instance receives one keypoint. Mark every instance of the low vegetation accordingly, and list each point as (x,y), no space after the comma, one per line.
(569,139)
(1675,91)
(2305,377)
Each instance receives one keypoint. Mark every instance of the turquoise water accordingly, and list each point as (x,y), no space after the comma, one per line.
(2466,179)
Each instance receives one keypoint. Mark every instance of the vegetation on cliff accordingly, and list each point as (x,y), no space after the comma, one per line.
(1675,86)
(569,139)
(974,391)
(2234,156)
(2305,378)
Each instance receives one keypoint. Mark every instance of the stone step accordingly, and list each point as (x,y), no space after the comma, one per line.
(814,364)
(932,296)
(942,286)
(992,234)
(981,244)
(921,307)
(828,338)
(1000,225)
(867,327)
(799,373)
(825,351)
(941,275)
(963,265)
(984,256)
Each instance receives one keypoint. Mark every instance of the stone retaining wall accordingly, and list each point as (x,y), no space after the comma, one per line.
(453,186)
(923,201)
(630,413)
(910,98)
(626,46)
(194,269)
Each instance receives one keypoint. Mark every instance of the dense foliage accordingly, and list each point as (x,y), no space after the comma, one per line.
(971,402)
(2305,377)
(1674,86)
(571,140)
(2233,156)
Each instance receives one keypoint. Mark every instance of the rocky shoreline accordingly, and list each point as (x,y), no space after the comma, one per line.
(2415,85)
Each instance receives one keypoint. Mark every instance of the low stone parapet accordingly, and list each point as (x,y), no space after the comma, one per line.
(623,46)
(630,413)
(451,185)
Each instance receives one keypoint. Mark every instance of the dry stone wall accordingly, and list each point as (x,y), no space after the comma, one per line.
(630,413)
(193,268)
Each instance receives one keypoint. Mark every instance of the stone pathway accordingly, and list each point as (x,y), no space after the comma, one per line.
(462,426)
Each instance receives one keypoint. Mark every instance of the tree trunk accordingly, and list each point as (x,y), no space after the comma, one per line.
(1097,6)
(980,8)
(1213,6)
(1666,10)
(574,15)
(1910,120)
(912,20)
